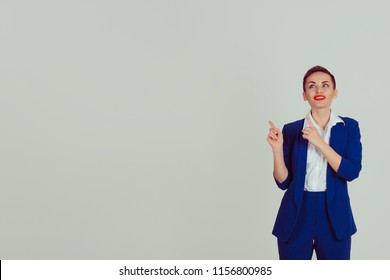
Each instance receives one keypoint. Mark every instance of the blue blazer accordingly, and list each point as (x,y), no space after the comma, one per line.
(345,140)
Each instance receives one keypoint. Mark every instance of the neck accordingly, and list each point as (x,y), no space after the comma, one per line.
(321,116)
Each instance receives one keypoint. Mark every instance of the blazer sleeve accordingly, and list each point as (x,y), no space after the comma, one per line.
(287,150)
(351,161)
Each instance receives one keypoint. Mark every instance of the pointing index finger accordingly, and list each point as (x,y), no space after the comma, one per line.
(272,124)
(309,121)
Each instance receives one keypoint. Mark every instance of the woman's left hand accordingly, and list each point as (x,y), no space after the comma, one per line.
(311,134)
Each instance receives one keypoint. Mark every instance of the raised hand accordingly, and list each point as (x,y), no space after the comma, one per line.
(311,134)
(275,136)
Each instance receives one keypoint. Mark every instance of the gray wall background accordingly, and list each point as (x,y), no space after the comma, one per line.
(137,129)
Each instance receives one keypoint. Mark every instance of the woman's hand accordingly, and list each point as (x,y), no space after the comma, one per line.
(311,134)
(275,137)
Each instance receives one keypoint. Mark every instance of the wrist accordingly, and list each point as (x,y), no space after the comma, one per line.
(322,145)
(277,150)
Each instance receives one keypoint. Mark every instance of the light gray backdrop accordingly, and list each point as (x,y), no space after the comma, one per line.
(137,129)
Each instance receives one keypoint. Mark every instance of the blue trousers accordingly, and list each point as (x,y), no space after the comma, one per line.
(313,232)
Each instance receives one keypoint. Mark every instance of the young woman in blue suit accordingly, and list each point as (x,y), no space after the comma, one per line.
(314,158)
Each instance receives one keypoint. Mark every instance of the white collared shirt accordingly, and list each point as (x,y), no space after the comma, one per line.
(316,165)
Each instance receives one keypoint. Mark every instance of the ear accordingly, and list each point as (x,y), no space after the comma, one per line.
(304,96)
(335,93)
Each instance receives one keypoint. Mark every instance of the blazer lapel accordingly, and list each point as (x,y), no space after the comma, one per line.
(337,138)
(337,135)
(301,165)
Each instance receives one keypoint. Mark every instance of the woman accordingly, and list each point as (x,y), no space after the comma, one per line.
(313,159)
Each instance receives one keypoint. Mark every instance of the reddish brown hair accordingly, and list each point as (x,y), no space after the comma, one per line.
(318,69)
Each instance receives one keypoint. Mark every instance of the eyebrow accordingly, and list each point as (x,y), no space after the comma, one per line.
(315,82)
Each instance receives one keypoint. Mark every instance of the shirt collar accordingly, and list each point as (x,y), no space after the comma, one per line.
(333,120)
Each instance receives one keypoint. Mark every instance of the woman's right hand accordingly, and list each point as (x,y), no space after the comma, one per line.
(275,137)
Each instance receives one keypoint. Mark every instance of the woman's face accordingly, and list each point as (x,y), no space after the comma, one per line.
(319,90)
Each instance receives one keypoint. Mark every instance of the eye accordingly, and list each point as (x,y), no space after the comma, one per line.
(326,85)
(311,86)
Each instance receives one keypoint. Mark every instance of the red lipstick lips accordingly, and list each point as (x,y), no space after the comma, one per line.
(319,97)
